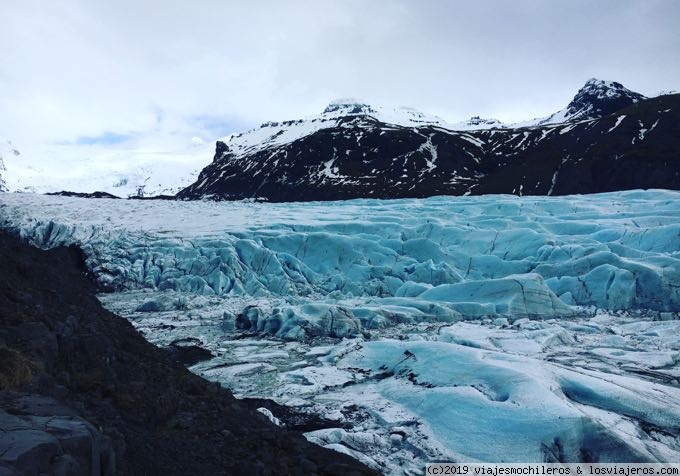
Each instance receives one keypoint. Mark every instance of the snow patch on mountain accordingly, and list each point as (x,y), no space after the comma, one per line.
(476,123)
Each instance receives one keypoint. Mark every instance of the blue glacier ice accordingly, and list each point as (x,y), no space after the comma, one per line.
(477,401)
(476,257)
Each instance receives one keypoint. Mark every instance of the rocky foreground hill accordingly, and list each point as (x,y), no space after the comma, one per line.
(82,392)
(607,139)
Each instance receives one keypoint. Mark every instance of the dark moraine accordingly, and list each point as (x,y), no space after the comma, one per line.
(82,392)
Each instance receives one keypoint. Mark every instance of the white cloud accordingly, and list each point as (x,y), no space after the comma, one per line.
(161,71)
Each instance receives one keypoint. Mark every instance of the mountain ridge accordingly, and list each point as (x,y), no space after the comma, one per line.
(613,139)
(245,157)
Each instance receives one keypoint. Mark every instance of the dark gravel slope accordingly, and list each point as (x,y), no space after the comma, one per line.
(57,341)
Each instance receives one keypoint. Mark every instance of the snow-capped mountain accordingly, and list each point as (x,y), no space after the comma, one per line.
(9,153)
(476,123)
(595,99)
(608,138)
(273,134)
(403,116)
(122,173)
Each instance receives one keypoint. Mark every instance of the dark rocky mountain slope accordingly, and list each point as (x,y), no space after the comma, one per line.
(81,392)
(613,139)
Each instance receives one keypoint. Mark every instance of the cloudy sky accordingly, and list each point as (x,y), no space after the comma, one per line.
(83,75)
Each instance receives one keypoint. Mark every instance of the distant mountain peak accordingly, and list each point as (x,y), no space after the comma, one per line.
(595,99)
(606,85)
(402,115)
(482,122)
(601,83)
(7,150)
(599,97)
(348,106)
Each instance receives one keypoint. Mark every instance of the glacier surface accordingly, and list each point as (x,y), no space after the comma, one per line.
(468,257)
(425,328)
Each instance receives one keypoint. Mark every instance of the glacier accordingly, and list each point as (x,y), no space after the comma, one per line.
(426,328)
(122,171)
(476,257)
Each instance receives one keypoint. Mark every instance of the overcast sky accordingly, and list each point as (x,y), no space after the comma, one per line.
(111,73)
